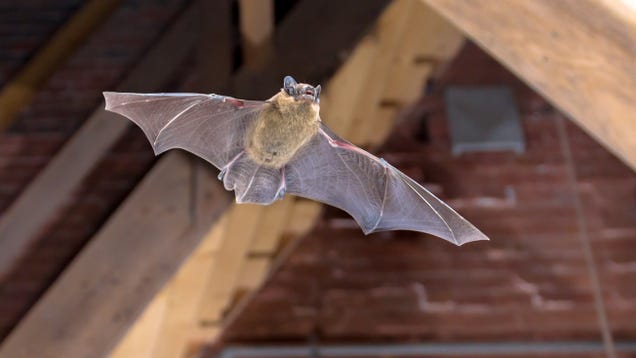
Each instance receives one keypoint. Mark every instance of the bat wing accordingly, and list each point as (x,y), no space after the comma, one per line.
(208,125)
(378,196)
(211,126)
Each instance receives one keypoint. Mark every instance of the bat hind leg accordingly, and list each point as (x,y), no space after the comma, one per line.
(251,181)
(227,166)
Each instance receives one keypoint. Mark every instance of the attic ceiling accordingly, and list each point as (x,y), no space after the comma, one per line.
(109,251)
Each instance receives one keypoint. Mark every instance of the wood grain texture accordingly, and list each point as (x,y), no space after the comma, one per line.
(579,54)
(247,242)
(140,339)
(43,324)
(107,286)
(411,41)
(37,204)
(149,243)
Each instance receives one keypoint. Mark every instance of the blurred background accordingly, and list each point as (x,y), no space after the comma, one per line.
(520,117)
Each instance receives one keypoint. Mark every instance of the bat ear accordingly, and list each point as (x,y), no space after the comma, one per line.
(317,95)
(289,83)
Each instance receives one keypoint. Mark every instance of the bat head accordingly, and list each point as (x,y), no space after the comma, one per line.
(301,91)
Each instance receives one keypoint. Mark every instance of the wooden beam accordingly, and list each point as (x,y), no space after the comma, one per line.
(212,288)
(390,30)
(122,268)
(188,195)
(174,309)
(184,294)
(77,158)
(386,72)
(579,54)
(18,93)
(232,255)
(159,332)
(44,325)
(143,335)
(300,46)
(256,24)
(240,263)
(344,99)
(33,209)
(206,285)
(429,43)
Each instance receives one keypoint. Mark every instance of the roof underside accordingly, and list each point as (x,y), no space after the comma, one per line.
(530,283)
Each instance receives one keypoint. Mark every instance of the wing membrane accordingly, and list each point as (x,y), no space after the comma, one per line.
(208,125)
(377,195)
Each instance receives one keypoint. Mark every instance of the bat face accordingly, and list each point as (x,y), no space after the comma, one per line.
(265,149)
(301,91)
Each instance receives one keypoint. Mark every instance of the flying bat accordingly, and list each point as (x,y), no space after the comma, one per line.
(266,149)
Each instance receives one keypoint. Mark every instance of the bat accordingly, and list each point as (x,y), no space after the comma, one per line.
(266,149)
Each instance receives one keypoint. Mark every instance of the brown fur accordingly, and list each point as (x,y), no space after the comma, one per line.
(283,127)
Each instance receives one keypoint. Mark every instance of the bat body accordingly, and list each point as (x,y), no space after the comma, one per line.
(265,149)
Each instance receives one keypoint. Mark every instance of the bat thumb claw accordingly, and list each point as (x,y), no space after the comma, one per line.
(221,174)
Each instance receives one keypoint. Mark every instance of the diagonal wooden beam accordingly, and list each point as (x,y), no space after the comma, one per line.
(50,334)
(21,222)
(579,54)
(219,278)
(125,264)
(409,24)
(18,93)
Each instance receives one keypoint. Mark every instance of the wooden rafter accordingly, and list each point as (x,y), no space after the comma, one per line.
(44,329)
(37,204)
(257,29)
(579,54)
(229,265)
(18,93)
(123,266)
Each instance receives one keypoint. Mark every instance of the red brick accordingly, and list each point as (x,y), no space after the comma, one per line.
(530,282)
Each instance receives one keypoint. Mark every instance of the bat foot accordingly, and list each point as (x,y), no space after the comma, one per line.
(282,189)
(222,174)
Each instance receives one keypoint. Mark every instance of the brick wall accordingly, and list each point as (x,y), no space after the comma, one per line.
(530,282)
